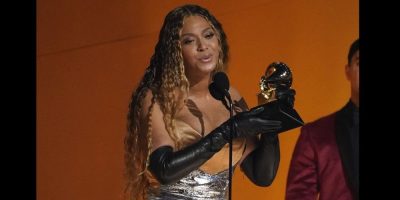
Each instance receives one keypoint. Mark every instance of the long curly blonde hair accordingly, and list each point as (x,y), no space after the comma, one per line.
(164,75)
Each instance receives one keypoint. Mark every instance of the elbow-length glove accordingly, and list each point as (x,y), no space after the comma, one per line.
(168,166)
(261,165)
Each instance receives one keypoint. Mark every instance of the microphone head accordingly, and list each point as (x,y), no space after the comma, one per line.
(220,85)
(221,81)
(216,93)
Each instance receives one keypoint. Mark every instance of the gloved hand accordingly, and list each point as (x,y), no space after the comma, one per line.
(249,123)
(286,95)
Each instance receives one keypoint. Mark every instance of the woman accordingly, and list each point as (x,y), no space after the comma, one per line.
(176,146)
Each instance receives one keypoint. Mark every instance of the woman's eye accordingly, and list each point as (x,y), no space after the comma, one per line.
(187,41)
(209,35)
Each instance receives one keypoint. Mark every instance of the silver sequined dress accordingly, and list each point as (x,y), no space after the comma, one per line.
(197,185)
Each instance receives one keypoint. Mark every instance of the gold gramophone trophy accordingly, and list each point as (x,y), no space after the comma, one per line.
(278,77)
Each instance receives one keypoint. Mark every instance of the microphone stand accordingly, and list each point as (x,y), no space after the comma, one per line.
(221,85)
(228,96)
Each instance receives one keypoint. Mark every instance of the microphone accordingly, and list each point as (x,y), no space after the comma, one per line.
(219,90)
(219,87)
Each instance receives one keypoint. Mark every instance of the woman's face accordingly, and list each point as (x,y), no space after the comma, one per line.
(200,47)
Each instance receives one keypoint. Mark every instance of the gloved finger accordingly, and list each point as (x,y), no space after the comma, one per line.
(270,123)
(255,111)
(270,129)
(271,132)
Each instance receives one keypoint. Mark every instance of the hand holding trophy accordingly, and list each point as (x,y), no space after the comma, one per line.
(277,97)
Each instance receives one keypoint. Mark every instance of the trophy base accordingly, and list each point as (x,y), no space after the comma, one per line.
(276,110)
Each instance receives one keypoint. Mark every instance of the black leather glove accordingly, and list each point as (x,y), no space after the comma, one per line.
(286,95)
(168,166)
(261,165)
(249,123)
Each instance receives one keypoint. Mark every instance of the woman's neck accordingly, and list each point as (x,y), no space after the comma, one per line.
(199,88)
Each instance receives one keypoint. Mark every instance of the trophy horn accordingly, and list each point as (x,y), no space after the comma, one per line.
(276,75)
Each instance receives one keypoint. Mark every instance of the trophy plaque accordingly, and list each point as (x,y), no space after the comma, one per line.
(278,77)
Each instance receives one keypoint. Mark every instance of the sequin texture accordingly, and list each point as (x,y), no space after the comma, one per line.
(197,185)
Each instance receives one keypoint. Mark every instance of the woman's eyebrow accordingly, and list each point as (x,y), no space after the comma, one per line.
(192,34)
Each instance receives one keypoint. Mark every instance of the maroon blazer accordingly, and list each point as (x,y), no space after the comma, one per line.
(317,167)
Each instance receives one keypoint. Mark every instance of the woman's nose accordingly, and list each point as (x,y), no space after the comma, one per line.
(202,45)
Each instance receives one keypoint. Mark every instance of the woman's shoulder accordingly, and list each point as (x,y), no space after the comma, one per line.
(238,100)
(235,94)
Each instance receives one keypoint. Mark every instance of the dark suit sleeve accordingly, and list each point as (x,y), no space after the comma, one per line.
(302,180)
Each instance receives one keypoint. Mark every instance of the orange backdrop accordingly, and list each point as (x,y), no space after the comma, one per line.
(91,54)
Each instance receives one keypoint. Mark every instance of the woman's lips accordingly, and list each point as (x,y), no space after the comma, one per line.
(206,58)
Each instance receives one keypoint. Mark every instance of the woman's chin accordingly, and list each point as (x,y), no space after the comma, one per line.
(207,67)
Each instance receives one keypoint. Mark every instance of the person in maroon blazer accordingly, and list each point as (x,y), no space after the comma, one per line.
(325,161)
